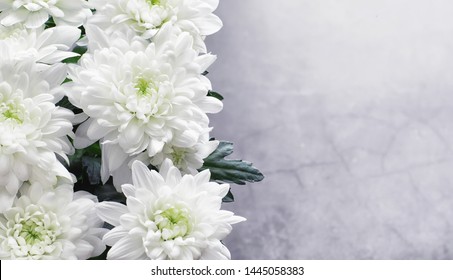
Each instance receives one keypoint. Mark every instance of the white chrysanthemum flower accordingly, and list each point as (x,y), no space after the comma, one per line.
(168,216)
(146,17)
(35,13)
(32,129)
(45,46)
(140,97)
(57,224)
(189,159)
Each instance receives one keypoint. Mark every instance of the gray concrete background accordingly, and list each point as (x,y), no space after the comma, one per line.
(347,107)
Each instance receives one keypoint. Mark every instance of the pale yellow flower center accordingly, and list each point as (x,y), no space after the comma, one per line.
(12,111)
(33,231)
(178,156)
(149,97)
(145,87)
(173,222)
(153,2)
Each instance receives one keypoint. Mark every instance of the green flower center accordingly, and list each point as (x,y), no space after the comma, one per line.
(12,111)
(173,222)
(31,231)
(178,156)
(153,2)
(145,87)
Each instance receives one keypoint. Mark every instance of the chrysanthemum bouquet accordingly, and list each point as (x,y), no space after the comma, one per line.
(105,145)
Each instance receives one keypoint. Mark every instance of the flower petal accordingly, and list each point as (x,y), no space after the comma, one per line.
(36,19)
(114,235)
(127,248)
(12,18)
(111,212)
(144,178)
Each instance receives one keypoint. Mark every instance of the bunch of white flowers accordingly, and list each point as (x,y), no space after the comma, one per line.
(109,101)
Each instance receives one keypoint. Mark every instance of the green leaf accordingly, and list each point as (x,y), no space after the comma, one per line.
(86,164)
(92,167)
(78,49)
(102,256)
(50,23)
(108,192)
(68,105)
(215,94)
(94,150)
(228,198)
(230,171)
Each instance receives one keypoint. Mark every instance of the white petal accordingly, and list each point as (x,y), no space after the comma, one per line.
(112,156)
(212,3)
(82,140)
(111,212)
(97,38)
(22,170)
(6,200)
(209,24)
(13,184)
(202,177)
(32,7)
(205,61)
(79,118)
(216,251)
(187,138)
(36,19)
(210,105)
(127,248)
(131,138)
(98,245)
(135,205)
(83,250)
(56,74)
(128,190)
(114,235)
(144,178)
(5,4)
(130,221)
(56,12)
(97,131)
(5,167)
(15,17)
(206,149)
(121,176)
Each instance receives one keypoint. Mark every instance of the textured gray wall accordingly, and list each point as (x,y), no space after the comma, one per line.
(347,107)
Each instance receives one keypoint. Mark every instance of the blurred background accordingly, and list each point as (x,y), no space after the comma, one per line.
(346,106)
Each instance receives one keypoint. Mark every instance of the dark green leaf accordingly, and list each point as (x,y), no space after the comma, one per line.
(68,105)
(92,167)
(108,192)
(86,163)
(215,94)
(230,171)
(229,197)
(102,256)
(93,150)
(50,23)
(78,49)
